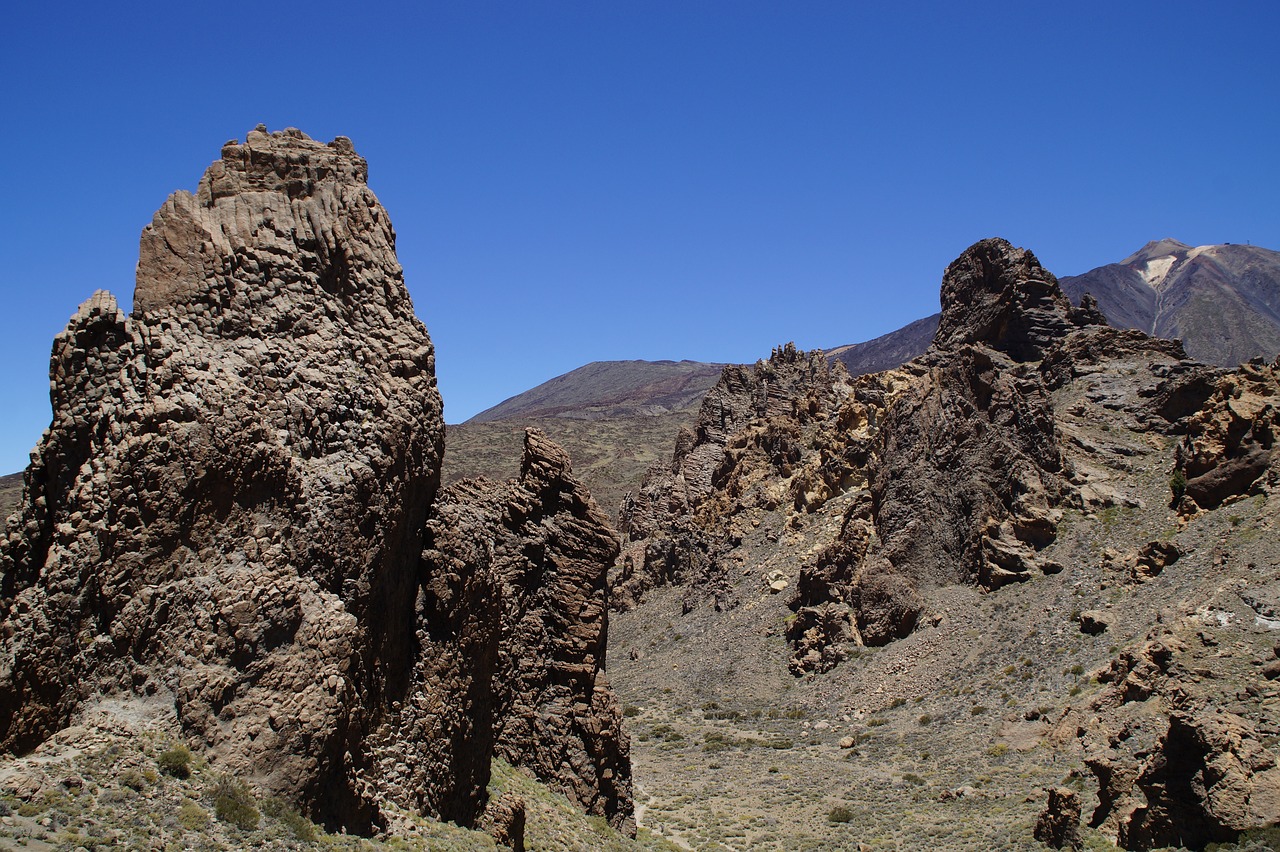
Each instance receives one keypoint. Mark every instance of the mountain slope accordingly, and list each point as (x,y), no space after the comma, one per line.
(610,389)
(1222,301)
(888,350)
(10,493)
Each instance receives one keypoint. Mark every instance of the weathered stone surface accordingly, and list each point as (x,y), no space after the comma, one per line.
(1059,823)
(1210,779)
(746,431)
(955,457)
(1001,297)
(959,455)
(548,547)
(1173,767)
(229,510)
(1227,443)
(504,820)
(227,507)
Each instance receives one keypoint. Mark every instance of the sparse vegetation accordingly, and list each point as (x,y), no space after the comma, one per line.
(840,814)
(176,761)
(233,803)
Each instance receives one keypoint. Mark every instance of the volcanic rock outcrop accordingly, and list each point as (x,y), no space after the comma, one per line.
(1177,761)
(547,544)
(953,460)
(227,516)
(666,524)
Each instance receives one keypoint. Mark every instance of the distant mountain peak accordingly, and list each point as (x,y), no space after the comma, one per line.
(1155,250)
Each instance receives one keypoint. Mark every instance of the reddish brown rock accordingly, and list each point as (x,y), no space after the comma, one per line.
(1227,442)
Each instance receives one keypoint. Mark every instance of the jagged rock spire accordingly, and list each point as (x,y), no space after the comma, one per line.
(1000,296)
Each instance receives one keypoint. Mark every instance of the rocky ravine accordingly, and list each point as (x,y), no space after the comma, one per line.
(1051,540)
(227,518)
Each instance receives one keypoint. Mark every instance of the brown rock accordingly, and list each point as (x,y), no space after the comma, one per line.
(1059,823)
(549,548)
(1001,297)
(1209,780)
(1093,622)
(1227,443)
(228,513)
(504,820)
(228,504)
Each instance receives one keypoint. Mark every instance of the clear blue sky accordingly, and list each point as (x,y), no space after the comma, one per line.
(578,180)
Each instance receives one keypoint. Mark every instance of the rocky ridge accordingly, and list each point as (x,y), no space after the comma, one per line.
(226,517)
(958,473)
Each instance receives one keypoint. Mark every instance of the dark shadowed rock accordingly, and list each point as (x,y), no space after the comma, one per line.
(1228,443)
(549,549)
(1002,297)
(1059,823)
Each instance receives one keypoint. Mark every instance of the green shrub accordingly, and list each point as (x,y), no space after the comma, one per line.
(176,761)
(1177,484)
(233,803)
(192,817)
(925,719)
(630,711)
(840,814)
(133,779)
(302,828)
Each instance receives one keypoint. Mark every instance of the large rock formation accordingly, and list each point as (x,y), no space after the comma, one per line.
(548,546)
(666,523)
(952,462)
(963,472)
(227,513)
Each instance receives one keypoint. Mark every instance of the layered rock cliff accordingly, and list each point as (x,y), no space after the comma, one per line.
(227,516)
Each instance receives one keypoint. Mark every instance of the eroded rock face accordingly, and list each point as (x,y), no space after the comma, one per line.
(228,516)
(1173,765)
(960,462)
(1059,823)
(549,547)
(952,461)
(1001,297)
(1227,442)
(747,430)
(227,507)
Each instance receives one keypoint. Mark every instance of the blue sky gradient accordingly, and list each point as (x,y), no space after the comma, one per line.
(577,181)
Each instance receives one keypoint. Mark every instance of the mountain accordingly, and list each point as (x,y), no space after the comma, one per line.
(888,350)
(615,419)
(10,493)
(610,389)
(1222,301)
